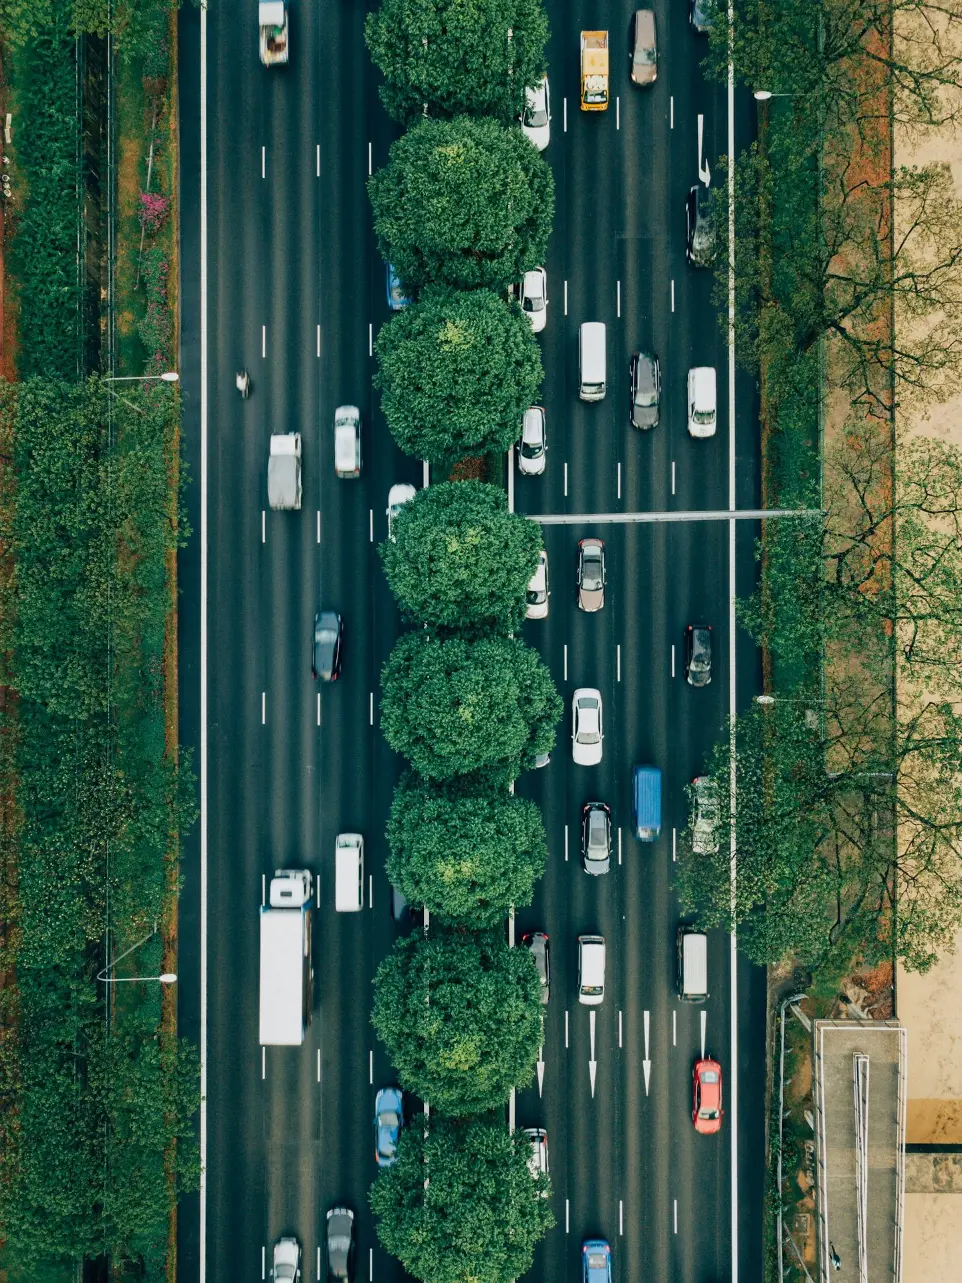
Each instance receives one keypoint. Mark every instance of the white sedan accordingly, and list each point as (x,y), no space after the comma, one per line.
(536,117)
(534,298)
(399,494)
(587,732)
(536,606)
(347,441)
(532,446)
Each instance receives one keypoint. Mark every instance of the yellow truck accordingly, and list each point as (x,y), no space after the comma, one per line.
(594,71)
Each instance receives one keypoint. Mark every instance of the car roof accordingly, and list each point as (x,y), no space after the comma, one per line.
(533,279)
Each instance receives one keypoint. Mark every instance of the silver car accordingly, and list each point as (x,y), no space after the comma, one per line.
(591,574)
(286,1266)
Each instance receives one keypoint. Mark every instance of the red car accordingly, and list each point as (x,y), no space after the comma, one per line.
(707,1109)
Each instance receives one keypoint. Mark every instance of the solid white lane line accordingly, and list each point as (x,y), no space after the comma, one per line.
(621,1216)
(617,112)
(512,1102)
(263,525)
(676,1215)
(263,1262)
(370,890)
(263,341)
(511,480)
(567,1217)
(264,887)
(704,1031)
(425,473)
(318,1261)
(370,1264)
(263,708)
(619,1028)
(318,891)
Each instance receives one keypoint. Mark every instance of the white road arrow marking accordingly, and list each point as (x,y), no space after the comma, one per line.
(592,1063)
(646,1063)
(704,173)
(541,1060)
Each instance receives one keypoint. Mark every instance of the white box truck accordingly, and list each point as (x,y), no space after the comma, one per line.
(272,20)
(284,471)
(286,971)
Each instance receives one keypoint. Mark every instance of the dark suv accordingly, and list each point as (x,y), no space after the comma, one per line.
(700,232)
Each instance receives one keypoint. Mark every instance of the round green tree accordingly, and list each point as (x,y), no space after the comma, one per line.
(457,370)
(457,57)
(460,1015)
(467,856)
(454,706)
(463,202)
(460,559)
(459,1205)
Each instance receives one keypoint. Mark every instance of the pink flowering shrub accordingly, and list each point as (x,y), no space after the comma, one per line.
(153,211)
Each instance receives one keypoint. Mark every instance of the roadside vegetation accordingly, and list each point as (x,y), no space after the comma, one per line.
(462,210)
(96,1137)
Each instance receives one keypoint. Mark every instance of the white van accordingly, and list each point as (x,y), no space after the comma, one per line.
(692,976)
(702,401)
(592,361)
(591,970)
(349,873)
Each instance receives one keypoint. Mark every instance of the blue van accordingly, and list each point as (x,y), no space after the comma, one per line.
(646,799)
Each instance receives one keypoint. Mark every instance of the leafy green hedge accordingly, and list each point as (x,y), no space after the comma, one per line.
(101,807)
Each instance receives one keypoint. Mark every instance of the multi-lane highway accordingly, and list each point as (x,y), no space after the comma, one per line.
(280,275)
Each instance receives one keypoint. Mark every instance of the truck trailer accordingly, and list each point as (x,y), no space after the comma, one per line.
(286,970)
(284,471)
(594,71)
(272,19)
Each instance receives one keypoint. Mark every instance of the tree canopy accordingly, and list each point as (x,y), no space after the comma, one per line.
(459,1205)
(460,1015)
(454,706)
(467,855)
(462,202)
(460,559)
(457,370)
(457,58)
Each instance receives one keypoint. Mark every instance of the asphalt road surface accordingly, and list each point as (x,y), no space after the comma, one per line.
(294,291)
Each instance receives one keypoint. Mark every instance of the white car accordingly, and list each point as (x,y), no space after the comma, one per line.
(536,117)
(587,731)
(399,494)
(534,298)
(532,446)
(702,402)
(704,828)
(287,1261)
(537,1138)
(538,594)
(347,441)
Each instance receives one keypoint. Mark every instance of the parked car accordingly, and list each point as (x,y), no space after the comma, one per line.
(587,731)
(537,1138)
(286,1267)
(399,494)
(534,298)
(328,639)
(645,390)
(538,593)
(388,1121)
(596,837)
(595,1261)
(644,49)
(707,1110)
(699,229)
(532,446)
(591,574)
(704,828)
(396,298)
(347,441)
(536,117)
(537,942)
(340,1245)
(698,654)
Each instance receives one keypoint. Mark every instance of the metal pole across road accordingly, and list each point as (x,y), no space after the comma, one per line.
(628,518)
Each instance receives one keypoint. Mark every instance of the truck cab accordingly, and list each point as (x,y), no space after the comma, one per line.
(272,18)
(594,71)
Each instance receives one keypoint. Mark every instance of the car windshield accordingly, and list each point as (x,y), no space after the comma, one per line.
(703,416)
(326,636)
(709,1076)
(389,1118)
(534,303)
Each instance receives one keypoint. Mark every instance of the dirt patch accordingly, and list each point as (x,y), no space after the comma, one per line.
(473,469)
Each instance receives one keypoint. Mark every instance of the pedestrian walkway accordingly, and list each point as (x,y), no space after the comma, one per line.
(860,1095)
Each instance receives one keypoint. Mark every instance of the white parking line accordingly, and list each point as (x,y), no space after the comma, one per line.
(263,162)
(567,1217)
(674,1028)
(370,1264)
(263,708)
(511,480)
(619,1013)
(370,890)
(675,1201)
(425,473)
(566,660)
(621,1216)
(318,1262)
(263,1062)
(263,1262)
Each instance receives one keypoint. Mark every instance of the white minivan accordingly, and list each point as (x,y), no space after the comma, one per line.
(702,401)
(692,978)
(592,361)
(349,873)
(591,970)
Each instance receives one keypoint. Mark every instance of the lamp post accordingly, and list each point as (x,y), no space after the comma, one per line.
(165,978)
(169,376)
(811,717)
(763,95)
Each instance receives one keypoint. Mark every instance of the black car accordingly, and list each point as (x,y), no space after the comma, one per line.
(700,231)
(328,638)
(698,654)
(537,942)
(596,837)
(645,390)
(340,1244)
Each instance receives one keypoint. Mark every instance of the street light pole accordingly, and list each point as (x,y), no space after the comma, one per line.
(166,978)
(169,376)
